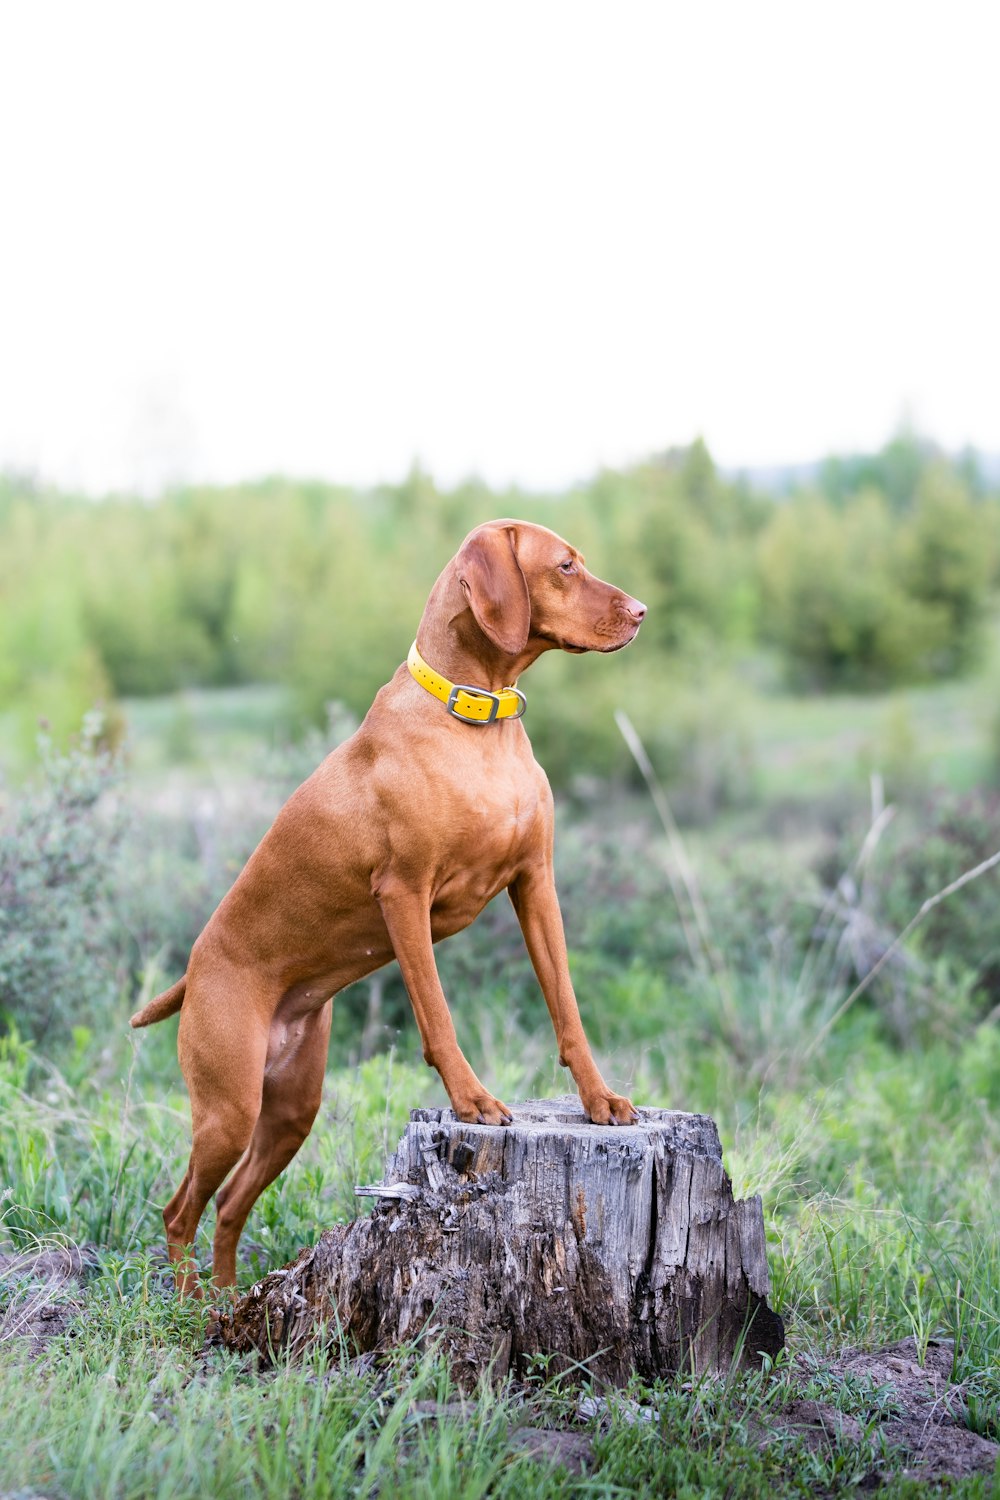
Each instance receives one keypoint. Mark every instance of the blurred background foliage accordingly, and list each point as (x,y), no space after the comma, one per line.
(816,688)
(802,647)
(877,573)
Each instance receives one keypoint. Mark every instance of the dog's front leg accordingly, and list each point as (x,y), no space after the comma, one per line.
(533,896)
(407,917)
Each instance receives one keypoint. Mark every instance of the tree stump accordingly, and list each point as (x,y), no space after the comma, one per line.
(612,1250)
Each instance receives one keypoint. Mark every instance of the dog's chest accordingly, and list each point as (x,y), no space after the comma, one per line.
(485,843)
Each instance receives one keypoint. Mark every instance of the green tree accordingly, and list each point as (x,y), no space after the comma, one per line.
(947,559)
(834,599)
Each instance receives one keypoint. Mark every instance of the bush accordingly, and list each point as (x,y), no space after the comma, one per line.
(938,842)
(834,601)
(946,566)
(60,958)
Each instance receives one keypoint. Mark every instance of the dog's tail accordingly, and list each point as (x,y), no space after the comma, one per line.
(164,1005)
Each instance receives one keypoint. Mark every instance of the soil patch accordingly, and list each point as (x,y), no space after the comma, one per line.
(887,1398)
(39,1290)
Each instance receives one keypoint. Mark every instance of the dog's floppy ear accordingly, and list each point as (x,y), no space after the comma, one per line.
(495,587)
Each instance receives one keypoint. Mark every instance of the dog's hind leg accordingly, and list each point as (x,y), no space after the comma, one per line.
(218,1144)
(293,1086)
(223,1052)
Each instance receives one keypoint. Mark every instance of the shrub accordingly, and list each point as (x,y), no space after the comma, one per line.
(59,950)
(946,566)
(943,838)
(834,601)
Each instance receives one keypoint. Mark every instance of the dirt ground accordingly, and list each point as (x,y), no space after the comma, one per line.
(914,1408)
(40,1294)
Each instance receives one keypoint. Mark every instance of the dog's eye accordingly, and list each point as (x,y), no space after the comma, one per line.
(567,567)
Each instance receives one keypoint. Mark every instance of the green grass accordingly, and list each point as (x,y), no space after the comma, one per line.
(183,734)
(940,735)
(799,745)
(880,1174)
(875,1147)
(814,745)
(203,728)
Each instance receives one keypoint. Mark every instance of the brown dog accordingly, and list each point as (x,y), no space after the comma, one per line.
(398,839)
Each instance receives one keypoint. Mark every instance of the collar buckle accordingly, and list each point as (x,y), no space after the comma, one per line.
(474,692)
(496,699)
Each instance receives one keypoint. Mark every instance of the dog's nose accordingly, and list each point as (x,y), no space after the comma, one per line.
(636,609)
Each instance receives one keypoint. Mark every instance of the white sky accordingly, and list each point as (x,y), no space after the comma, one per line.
(518,239)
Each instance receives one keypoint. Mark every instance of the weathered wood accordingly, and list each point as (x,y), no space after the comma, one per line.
(618,1250)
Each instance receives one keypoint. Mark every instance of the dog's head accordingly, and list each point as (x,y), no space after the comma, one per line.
(527,587)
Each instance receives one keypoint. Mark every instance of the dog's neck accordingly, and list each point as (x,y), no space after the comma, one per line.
(452,643)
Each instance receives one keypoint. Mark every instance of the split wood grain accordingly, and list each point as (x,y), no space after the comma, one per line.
(610,1251)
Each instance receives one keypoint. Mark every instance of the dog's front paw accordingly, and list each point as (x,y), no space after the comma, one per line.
(483,1109)
(607,1108)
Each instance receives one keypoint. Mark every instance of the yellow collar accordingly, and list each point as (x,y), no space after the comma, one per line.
(471,704)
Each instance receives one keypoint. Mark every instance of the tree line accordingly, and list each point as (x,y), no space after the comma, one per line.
(878,571)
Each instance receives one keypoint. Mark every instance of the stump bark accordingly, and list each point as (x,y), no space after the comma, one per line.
(613,1250)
